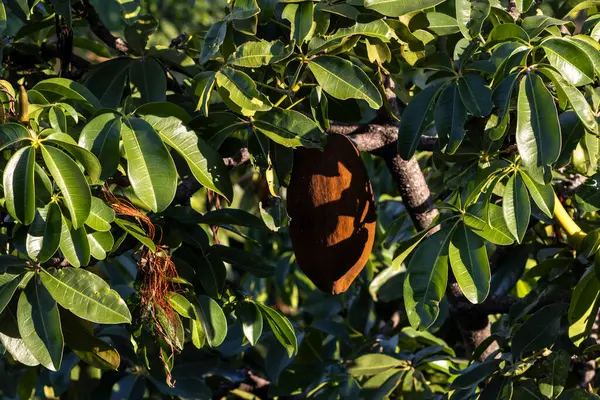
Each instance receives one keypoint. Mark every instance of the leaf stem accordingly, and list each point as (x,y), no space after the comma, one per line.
(280,100)
(270,87)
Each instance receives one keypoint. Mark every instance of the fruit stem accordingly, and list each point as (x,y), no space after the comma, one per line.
(574,233)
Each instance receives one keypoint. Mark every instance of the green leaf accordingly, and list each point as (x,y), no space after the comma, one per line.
(415,120)
(69,90)
(539,331)
(181,305)
(101,136)
(137,232)
(18,350)
(281,327)
(100,244)
(39,325)
(289,128)
(376,29)
(2,18)
(538,129)
(556,368)
(575,98)
(12,133)
(590,46)
(57,119)
(502,97)
(516,207)
(245,16)
(586,154)
(251,320)
(382,385)
(426,279)
(101,215)
(212,319)
(474,374)
(148,76)
(86,295)
(344,80)
(584,307)
(205,163)
(69,178)
(212,273)
(79,337)
(470,15)
(107,81)
(74,244)
(214,38)
(470,265)
(302,22)
(7,290)
(231,216)
(85,157)
(450,117)
(43,236)
(377,51)
(373,364)
(258,54)
(397,8)
(571,61)
(476,96)
(536,24)
(164,109)
(406,247)
(523,5)
(507,33)
(441,24)
(542,195)
(203,85)
(150,167)
(243,260)
(197,333)
(239,92)
(495,229)
(19,188)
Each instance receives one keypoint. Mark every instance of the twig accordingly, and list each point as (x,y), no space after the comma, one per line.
(179,40)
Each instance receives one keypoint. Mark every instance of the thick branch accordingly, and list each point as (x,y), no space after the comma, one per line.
(373,137)
(85,10)
(473,320)
(407,174)
(239,159)
(50,51)
(413,189)
(513,10)
(491,305)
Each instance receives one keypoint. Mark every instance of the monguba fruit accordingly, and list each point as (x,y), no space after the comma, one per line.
(332,210)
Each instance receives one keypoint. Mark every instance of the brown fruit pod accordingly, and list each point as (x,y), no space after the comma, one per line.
(332,210)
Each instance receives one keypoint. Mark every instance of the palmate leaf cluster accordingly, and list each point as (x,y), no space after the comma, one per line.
(510,92)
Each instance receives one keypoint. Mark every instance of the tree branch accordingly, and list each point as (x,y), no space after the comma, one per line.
(85,10)
(407,174)
(373,137)
(472,319)
(513,10)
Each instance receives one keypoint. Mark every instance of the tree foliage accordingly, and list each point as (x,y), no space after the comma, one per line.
(145,248)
